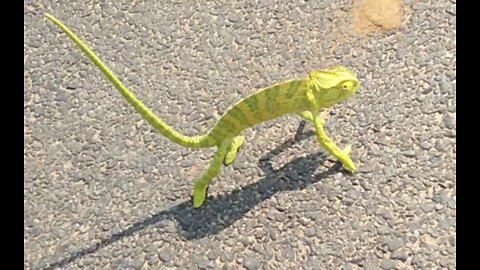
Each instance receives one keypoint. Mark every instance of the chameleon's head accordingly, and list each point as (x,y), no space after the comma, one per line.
(334,85)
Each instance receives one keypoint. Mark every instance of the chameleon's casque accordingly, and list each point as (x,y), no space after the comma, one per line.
(304,97)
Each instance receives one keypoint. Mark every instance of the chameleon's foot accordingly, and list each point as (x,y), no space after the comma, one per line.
(233,149)
(199,194)
(347,161)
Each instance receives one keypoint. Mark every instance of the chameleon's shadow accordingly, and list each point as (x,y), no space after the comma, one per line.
(209,219)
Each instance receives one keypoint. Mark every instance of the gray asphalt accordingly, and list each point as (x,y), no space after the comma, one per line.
(103,190)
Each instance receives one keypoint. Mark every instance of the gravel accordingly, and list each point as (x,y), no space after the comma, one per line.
(102,189)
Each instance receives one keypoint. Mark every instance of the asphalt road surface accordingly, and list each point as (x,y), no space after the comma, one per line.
(103,190)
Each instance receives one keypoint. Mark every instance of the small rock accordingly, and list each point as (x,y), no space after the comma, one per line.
(383,230)
(128,142)
(409,153)
(418,260)
(274,235)
(428,207)
(446,223)
(353,194)
(295,15)
(399,254)
(414,173)
(251,263)
(444,261)
(394,244)
(233,17)
(165,254)
(228,257)
(289,254)
(387,264)
(440,146)
(88,261)
(186,163)
(260,234)
(36,98)
(75,147)
(452,240)
(138,263)
(347,266)
(206,265)
(213,254)
(332,195)
(425,145)
(280,217)
(449,122)
(303,221)
(239,24)
(310,232)
(369,266)
(441,198)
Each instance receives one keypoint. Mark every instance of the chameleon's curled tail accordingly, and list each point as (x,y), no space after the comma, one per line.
(166,130)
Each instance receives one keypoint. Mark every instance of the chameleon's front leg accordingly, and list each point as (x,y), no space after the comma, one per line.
(329,145)
(233,149)
(201,184)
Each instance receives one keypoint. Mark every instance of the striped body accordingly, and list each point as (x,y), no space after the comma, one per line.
(263,105)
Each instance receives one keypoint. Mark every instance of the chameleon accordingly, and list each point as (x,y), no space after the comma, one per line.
(304,97)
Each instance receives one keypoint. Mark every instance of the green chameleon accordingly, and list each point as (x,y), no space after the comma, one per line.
(304,97)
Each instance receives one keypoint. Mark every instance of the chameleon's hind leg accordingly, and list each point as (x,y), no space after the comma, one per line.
(200,185)
(233,149)
(328,144)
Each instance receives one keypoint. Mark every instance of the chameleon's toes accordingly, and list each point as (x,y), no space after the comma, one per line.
(235,145)
(198,198)
(199,195)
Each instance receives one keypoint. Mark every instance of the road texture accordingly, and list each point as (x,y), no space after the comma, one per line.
(103,190)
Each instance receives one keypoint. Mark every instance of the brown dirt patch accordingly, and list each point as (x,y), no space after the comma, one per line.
(377,15)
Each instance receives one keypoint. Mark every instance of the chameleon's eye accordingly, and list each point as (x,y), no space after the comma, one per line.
(347,85)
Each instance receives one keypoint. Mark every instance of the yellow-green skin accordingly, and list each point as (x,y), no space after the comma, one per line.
(304,97)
